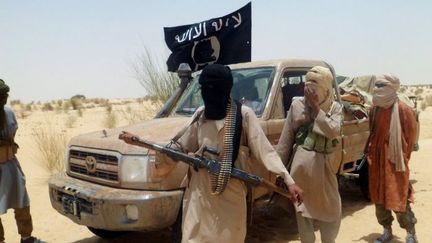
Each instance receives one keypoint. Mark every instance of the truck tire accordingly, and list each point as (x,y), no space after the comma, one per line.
(364,181)
(106,234)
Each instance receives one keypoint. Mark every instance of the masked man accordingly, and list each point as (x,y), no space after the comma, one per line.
(13,193)
(391,142)
(214,206)
(307,143)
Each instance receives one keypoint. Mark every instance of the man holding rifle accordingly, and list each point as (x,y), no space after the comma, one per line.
(214,206)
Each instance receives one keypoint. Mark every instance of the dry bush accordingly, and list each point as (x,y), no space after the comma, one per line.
(423,106)
(418,91)
(80,112)
(110,120)
(28,107)
(15,102)
(108,107)
(76,103)
(70,121)
(66,106)
(52,146)
(22,114)
(427,101)
(47,107)
(134,116)
(153,76)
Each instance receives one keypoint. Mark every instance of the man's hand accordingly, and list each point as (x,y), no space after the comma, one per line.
(312,100)
(128,137)
(297,193)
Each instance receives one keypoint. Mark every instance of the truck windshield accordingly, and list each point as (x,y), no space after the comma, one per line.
(251,88)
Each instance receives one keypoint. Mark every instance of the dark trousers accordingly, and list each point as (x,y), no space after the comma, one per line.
(23,221)
(406,219)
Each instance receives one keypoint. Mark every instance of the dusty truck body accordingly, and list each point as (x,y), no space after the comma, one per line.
(112,186)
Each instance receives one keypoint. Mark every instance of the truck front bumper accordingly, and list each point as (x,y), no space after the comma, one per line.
(109,208)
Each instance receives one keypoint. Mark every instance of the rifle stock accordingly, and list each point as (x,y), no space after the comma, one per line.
(212,166)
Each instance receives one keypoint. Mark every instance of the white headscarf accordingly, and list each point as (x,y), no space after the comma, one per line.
(322,79)
(384,95)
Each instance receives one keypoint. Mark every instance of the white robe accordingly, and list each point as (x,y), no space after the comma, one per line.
(222,218)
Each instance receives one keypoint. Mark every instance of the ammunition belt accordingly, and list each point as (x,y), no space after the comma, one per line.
(220,181)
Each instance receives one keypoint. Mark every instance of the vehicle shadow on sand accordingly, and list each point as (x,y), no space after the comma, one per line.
(274,223)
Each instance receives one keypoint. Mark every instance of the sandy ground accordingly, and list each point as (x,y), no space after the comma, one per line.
(274,225)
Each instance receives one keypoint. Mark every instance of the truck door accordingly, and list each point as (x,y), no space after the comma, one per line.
(291,85)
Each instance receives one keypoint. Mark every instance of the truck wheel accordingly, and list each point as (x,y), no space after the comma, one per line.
(106,234)
(364,181)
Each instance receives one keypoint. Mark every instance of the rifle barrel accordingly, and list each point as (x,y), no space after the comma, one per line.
(212,166)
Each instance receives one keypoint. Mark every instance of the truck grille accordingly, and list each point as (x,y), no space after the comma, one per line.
(100,158)
(95,166)
(107,175)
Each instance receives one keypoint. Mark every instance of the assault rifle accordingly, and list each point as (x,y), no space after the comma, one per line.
(213,166)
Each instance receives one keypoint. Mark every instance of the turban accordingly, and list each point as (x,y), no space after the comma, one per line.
(385,96)
(321,79)
(384,93)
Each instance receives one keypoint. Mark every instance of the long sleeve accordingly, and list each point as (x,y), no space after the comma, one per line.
(189,140)
(261,148)
(297,115)
(329,125)
(286,140)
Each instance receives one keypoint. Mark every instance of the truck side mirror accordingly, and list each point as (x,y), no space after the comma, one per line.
(184,72)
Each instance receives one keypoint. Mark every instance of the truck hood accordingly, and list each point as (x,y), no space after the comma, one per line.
(160,131)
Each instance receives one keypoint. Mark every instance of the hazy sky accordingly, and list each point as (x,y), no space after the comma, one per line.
(55,49)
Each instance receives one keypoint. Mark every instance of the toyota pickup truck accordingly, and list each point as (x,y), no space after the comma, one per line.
(110,186)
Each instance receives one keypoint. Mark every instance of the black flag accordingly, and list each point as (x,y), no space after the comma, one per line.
(223,40)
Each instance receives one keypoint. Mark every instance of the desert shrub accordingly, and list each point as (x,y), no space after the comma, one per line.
(52,146)
(76,103)
(418,91)
(28,107)
(79,97)
(153,76)
(58,109)
(133,116)
(47,107)
(423,106)
(22,114)
(15,102)
(108,107)
(70,121)
(66,106)
(60,103)
(80,112)
(428,100)
(110,120)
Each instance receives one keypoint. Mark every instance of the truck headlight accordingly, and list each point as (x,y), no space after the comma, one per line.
(135,169)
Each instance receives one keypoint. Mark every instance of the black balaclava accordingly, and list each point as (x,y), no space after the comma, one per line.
(216,82)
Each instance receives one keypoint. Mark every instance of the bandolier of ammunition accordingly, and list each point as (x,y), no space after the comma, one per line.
(231,142)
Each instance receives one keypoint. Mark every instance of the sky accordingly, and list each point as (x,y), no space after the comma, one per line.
(54,49)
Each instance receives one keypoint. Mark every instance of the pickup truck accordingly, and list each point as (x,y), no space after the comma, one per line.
(110,186)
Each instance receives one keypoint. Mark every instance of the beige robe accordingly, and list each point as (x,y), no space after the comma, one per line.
(313,172)
(222,218)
